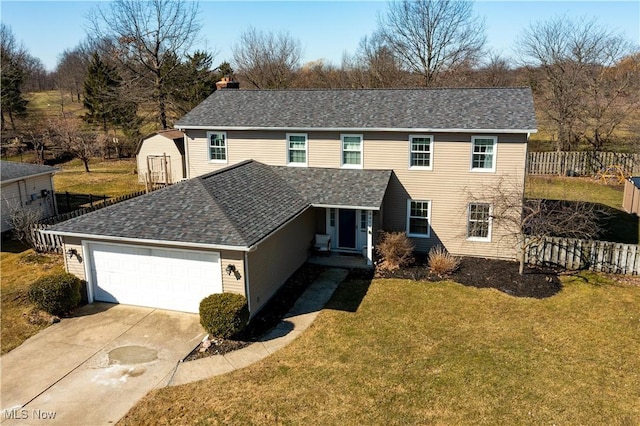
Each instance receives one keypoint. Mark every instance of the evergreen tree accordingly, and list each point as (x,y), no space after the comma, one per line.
(12,73)
(193,81)
(100,93)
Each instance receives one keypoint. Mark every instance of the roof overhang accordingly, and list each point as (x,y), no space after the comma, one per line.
(338,206)
(358,129)
(147,241)
(29,176)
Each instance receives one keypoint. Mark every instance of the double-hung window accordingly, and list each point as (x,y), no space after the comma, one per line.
(297,149)
(418,215)
(351,151)
(483,156)
(479,222)
(421,152)
(217,147)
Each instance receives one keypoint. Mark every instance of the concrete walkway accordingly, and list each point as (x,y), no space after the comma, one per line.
(293,324)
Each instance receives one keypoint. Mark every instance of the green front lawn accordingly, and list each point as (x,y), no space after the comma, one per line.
(436,353)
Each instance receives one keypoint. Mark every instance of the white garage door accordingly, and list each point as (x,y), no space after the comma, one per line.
(158,278)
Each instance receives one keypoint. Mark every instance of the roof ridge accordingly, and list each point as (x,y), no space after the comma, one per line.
(372,89)
(222,208)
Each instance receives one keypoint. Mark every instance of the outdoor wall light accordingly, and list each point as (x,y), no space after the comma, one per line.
(73,252)
(230,268)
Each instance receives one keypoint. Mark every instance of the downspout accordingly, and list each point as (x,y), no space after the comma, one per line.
(186,155)
(246,282)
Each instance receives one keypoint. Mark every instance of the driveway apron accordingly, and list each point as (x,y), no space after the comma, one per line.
(92,368)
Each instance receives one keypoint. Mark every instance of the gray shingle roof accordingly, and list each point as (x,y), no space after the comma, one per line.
(237,206)
(11,170)
(434,109)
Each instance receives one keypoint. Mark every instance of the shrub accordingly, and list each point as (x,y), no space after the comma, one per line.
(395,250)
(56,294)
(224,315)
(441,262)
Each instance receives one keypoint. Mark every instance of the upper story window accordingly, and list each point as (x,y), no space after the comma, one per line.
(479,222)
(217,147)
(421,152)
(483,155)
(418,216)
(351,151)
(297,149)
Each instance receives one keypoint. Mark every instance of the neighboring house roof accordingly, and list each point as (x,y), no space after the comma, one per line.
(12,171)
(635,180)
(457,109)
(173,135)
(235,207)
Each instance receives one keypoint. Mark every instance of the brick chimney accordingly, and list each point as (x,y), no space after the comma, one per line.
(227,83)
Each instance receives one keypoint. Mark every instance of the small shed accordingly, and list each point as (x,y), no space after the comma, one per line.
(161,158)
(26,187)
(631,199)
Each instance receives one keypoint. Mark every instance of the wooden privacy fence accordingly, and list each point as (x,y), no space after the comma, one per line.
(599,256)
(581,163)
(53,243)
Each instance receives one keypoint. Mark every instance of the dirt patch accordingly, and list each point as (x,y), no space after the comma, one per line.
(489,273)
(268,317)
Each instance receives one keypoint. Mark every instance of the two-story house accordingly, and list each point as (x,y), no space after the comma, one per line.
(270,169)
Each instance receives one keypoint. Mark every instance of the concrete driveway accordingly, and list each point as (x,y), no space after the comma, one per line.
(92,368)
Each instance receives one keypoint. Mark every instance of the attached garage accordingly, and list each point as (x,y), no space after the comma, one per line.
(155,277)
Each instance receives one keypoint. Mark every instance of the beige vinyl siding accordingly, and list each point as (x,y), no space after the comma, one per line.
(230,283)
(447,187)
(160,145)
(279,256)
(18,195)
(73,265)
(234,283)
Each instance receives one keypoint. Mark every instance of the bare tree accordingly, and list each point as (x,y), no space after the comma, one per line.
(432,36)
(70,136)
(267,60)
(146,38)
(577,91)
(22,220)
(71,71)
(528,221)
(378,65)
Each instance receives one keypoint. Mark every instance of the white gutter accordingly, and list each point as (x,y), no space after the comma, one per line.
(357,129)
(341,206)
(148,241)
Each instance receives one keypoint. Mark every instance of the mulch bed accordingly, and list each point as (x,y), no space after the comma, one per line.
(489,273)
(268,317)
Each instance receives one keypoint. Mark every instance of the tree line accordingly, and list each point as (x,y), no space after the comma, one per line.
(138,71)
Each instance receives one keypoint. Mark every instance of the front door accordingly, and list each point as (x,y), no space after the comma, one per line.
(347,229)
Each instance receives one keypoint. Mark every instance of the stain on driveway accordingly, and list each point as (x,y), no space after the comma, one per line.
(92,368)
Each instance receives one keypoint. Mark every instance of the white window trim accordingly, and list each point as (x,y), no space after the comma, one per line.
(351,166)
(409,234)
(487,239)
(306,150)
(411,166)
(226,148)
(495,155)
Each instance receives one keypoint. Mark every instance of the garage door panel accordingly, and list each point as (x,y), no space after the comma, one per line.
(162,278)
